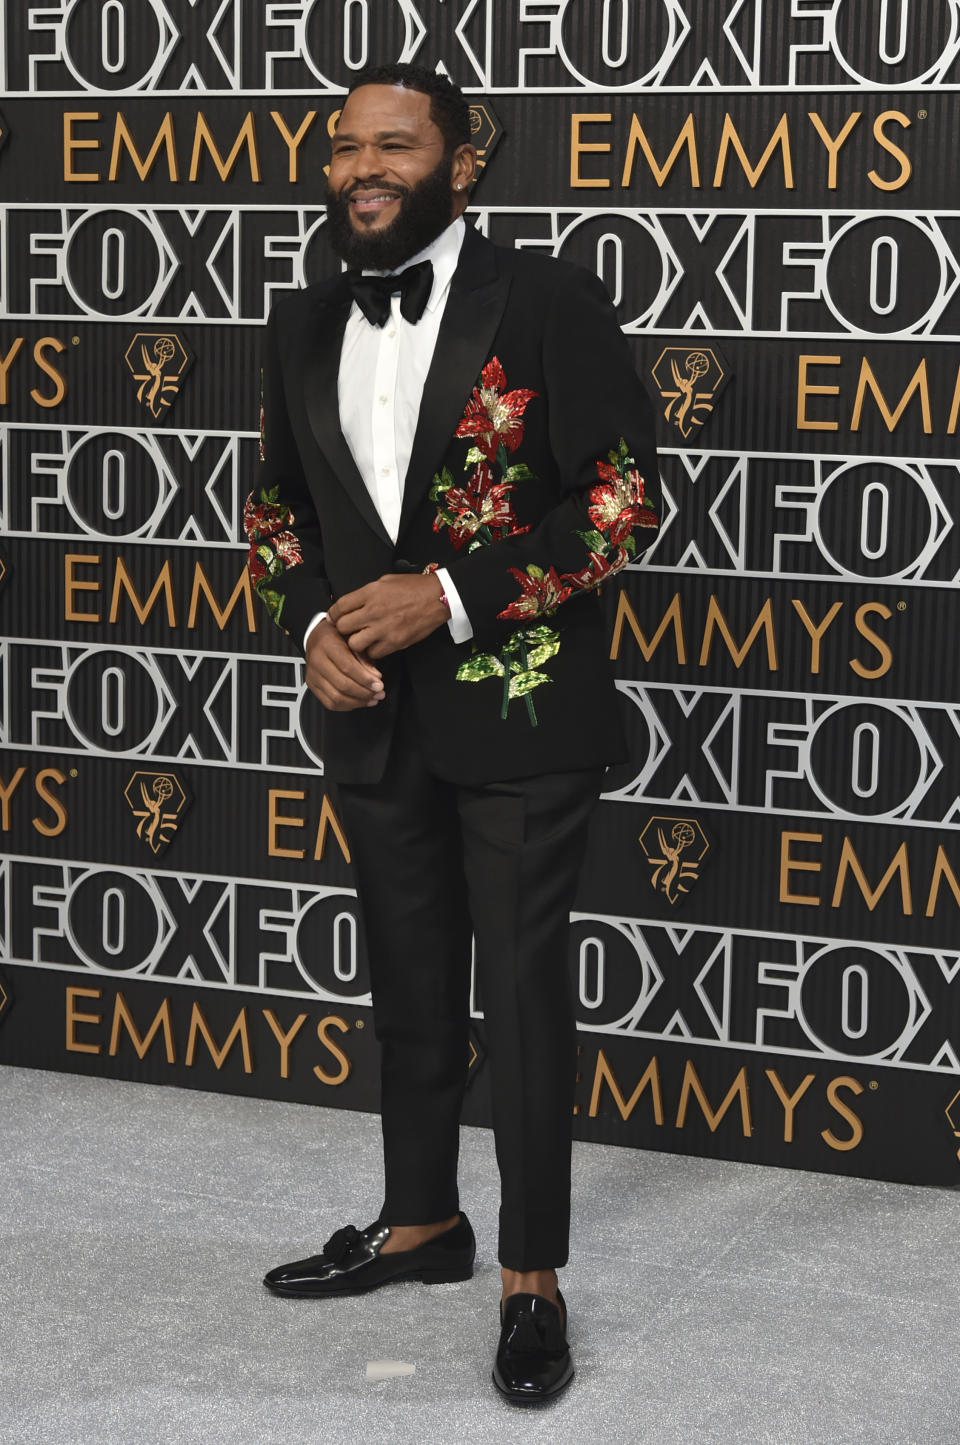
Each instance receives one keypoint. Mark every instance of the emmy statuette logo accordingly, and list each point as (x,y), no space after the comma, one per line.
(158,361)
(689,379)
(157,801)
(485,131)
(675,848)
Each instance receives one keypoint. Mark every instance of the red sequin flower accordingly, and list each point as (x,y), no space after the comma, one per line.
(261,519)
(617,506)
(273,549)
(493,415)
(540,592)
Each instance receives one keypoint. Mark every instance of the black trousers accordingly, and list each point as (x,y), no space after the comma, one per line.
(438,862)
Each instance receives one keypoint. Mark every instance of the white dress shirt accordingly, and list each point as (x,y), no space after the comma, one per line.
(379,390)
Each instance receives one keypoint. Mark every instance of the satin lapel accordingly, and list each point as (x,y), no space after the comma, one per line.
(478,295)
(321,366)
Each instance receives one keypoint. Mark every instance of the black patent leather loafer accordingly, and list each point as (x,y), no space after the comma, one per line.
(351,1262)
(533,1359)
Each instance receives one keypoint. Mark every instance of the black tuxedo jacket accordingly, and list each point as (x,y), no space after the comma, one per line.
(533,477)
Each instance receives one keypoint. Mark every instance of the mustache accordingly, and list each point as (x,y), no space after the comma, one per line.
(373,185)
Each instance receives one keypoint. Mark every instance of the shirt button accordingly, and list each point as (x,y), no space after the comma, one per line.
(390,335)
(385,471)
(384,400)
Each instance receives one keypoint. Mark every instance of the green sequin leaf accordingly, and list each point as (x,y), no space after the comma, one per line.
(525,682)
(536,656)
(273,565)
(441,483)
(540,634)
(273,601)
(514,644)
(479,666)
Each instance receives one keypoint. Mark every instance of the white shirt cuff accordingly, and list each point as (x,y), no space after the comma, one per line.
(318,617)
(459,624)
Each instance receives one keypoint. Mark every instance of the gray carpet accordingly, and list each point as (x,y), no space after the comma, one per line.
(709,1301)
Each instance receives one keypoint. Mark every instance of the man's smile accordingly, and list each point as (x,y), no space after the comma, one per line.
(373,203)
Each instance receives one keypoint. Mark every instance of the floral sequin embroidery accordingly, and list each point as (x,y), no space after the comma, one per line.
(518,664)
(493,414)
(479,511)
(616,505)
(273,548)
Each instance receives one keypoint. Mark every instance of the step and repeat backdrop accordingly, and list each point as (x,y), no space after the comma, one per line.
(766,947)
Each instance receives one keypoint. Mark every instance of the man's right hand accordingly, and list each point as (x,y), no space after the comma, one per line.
(342,679)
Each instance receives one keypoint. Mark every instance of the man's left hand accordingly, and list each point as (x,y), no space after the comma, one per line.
(394,612)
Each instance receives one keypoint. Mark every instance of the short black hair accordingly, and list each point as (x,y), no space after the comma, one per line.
(449,110)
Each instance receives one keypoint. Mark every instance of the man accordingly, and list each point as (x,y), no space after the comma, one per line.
(454,458)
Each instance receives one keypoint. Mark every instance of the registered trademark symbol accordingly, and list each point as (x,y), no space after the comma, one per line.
(901,607)
(873,1084)
(921,115)
(75,340)
(359,1024)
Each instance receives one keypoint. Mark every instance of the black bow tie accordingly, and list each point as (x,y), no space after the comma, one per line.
(372,293)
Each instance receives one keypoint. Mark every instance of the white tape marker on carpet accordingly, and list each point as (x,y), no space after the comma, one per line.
(388,1369)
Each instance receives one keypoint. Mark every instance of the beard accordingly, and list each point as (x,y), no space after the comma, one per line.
(426,209)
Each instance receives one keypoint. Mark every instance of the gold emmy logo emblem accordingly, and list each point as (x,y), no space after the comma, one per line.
(158,360)
(952,1112)
(485,131)
(156,800)
(689,379)
(675,848)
